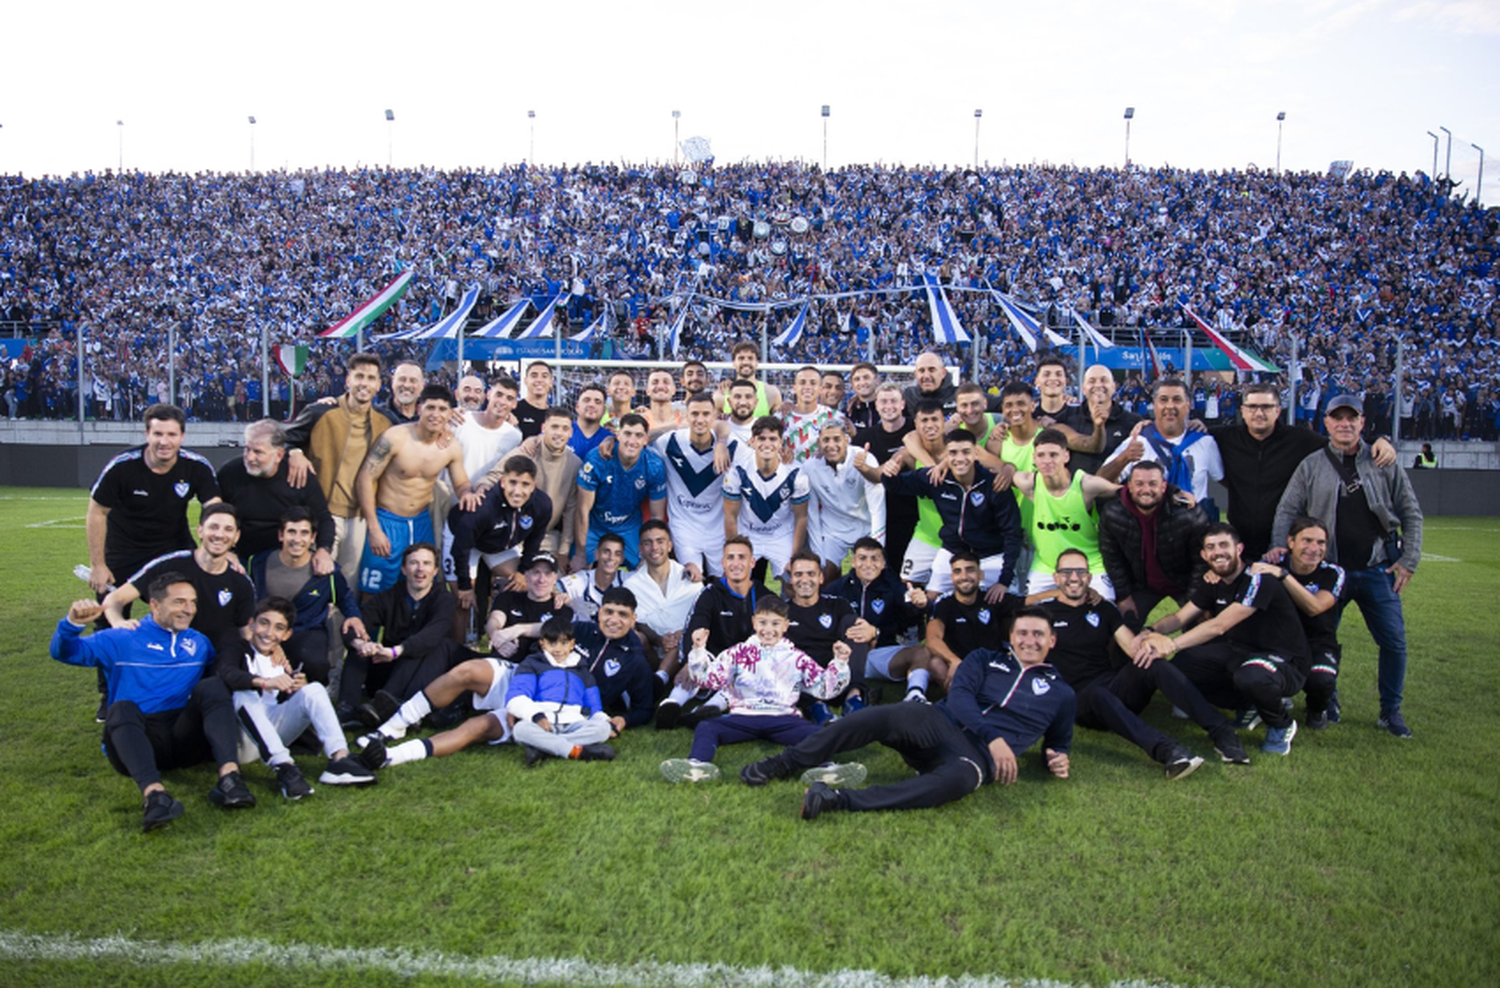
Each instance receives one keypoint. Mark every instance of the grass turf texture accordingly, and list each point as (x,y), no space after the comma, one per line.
(1359,860)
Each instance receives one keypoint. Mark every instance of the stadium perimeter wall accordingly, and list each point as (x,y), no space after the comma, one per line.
(57,454)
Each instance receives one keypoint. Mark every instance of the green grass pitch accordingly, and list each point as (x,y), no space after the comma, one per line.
(1359,860)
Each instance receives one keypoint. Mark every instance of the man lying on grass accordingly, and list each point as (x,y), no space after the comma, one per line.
(999,704)
(761,678)
(162,711)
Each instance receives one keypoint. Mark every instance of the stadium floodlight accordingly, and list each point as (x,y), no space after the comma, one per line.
(1448,157)
(825,137)
(1479,188)
(977,115)
(120,145)
(1280,119)
(390,138)
(1433,174)
(531,155)
(1129,116)
(252,142)
(676,140)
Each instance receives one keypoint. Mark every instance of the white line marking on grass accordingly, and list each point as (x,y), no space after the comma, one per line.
(416,964)
(59,522)
(1459,528)
(1430,557)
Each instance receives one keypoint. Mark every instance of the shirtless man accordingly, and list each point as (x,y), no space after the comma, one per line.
(395,486)
(661,413)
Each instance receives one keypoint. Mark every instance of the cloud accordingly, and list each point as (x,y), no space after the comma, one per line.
(1456,16)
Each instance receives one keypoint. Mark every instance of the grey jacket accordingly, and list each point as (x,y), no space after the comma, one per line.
(1314,490)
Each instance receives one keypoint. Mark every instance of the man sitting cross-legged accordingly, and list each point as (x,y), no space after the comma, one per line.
(761,679)
(1000,703)
(275,704)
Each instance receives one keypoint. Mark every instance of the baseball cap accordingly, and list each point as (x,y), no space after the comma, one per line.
(541,559)
(1346,401)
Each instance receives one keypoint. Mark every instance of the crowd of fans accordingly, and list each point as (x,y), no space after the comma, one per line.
(1345,266)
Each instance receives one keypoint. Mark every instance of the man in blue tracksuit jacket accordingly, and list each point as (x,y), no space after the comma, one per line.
(999,704)
(163,712)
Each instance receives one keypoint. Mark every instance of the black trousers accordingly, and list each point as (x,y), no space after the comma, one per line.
(141,745)
(403,678)
(1113,702)
(308,649)
(948,764)
(1228,676)
(1322,679)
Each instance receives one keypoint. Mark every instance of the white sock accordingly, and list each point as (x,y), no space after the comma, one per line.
(408,751)
(662,675)
(917,679)
(680,695)
(718,700)
(412,711)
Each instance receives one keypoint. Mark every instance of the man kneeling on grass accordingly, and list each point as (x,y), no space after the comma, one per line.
(276,704)
(162,712)
(761,678)
(999,704)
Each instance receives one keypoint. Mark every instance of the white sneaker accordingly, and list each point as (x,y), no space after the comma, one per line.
(836,775)
(689,770)
(915,695)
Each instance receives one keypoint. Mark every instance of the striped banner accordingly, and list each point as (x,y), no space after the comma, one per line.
(354,323)
(590,331)
(500,327)
(674,335)
(945,327)
(1241,360)
(1099,338)
(1025,326)
(445,328)
(793,331)
(543,322)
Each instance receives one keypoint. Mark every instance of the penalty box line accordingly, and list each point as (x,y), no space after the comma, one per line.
(415,964)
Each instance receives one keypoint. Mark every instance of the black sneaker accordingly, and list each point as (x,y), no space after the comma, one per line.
(1230,750)
(596,753)
(819,799)
(351,770)
(1335,709)
(371,756)
(1181,763)
(348,717)
(667,715)
(290,783)
(381,708)
(231,792)
(1391,721)
(161,809)
(102,713)
(1317,720)
(763,771)
(707,711)
(534,756)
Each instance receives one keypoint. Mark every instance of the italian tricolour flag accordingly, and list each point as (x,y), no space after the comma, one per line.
(352,324)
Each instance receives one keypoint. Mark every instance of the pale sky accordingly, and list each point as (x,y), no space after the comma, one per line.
(1358,79)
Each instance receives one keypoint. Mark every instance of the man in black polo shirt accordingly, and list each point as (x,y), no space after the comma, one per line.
(1248,644)
(257,485)
(517,616)
(531,411)
(1112,691)
(961,620)
(1085,419)
(884,439)
(815,621)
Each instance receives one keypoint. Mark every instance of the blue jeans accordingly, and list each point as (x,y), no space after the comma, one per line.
(1374,590)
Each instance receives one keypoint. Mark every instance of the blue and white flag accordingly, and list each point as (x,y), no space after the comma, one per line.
(1089,331)
(1025,326)
(793,332)
(500,327)
(945,327)
(589,331)
(543,322)
(445,328)
(674,335)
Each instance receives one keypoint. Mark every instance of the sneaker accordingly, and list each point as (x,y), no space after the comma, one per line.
(1391,720)
(349,718)
(381,708)
(1279,739)
(102,713)
(819,799)
(915,695)
(596,753)
(1230,750)
(534,756)
(354,770)
(1335,711)
(706,711)
(231,792)
(1286,704)
(371,753)
(667,715)
(819,714)
(854,703)
(763,771)
(1247,719)
(689,770)
(1181,763)
(1179,713)
(290,783)
(161,809)
(836,774)
(1317,720)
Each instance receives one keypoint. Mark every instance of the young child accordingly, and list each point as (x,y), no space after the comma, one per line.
(275,705)
(556,703)
(762,678)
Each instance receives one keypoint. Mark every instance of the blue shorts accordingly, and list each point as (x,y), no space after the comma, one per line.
(377,574)
(632,537)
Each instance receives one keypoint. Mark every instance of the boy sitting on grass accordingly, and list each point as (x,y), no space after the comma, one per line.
(762,678)
(556,703)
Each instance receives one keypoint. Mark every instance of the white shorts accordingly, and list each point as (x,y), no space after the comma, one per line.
(832,547)
(491,559)
(941,580)
(777,552)
(494,698)
(1040,582)
(878,662)
(697,545)
(917,566)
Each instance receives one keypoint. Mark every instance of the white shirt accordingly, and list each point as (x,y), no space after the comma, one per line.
(585,595)
(842,501)
(664,611)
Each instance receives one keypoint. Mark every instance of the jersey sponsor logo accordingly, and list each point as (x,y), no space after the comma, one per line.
(1040,686)
(877,605)
(140,493)
(726,614)
(155,647)
(526,521)
(1092,617)
(611,667)
(181,487)
(826,620)
(225,596)
(984,615)
(1003,667)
